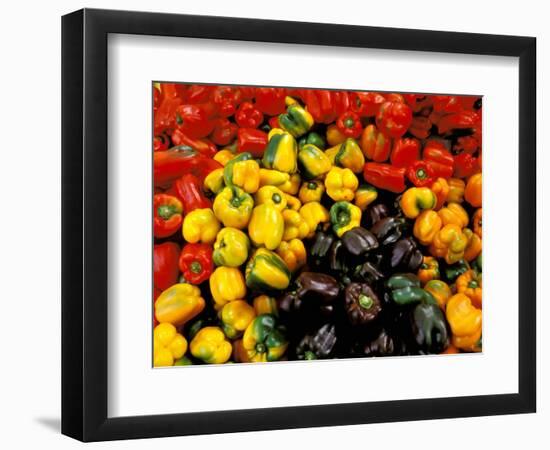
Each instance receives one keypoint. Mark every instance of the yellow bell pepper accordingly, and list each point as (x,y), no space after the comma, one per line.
(200,225)
(292,202)
(454,213)
(226,285)
(429,270)
(281,152)
(246,175)
(224,156)
(214,181)
(297,120)
(334,135)
(426,226)
(235,318)
(472,192)
(470,284)
(273,177)
(233,207)
(266,271)
(417,199)
(473,248)
(364,196)
(271,195)
(348,155)
(231,248)
(314,213)
(292,186)
(168,345)
(293,253)
(449,243)
(211,346)
(341,184)
(313,162)
(440,188)
(344,216)
(465,322)
(311,191)
(266,226)
(264,304)
(440,290)
(179,304)
(456,190)
(477,222)
(295,225)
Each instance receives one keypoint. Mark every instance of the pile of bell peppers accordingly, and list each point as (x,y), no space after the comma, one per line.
(300,224)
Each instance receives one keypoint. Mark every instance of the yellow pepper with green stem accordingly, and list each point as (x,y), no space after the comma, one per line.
(264,340)
(233,207)
(344,216)
(311,191)
(272,196)
(347,155)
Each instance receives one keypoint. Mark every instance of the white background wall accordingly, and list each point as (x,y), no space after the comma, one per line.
(30,223)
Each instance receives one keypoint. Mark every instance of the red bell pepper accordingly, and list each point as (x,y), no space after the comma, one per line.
(169,101)
(325,106)
(251,140)
(204,146)
(465,165)
(385,176)
(375,145)
(420,174)
(418,102)
(420,127)
(196,263)
(366,104)
(270,101)
(196,121)
(198,93)
(167,215)
(247,93)
(274,122)
(171,164)
(394,118)
(458,121)
(226,99)
(439,159)
(405,152)
(466,144)
(165,265)
(349,124)
(248,116)
(161,142)
(446,104)
(224,132)
(188,189)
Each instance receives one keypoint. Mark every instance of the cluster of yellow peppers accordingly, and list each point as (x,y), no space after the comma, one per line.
(442,224)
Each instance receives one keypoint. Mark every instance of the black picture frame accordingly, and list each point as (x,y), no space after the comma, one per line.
(84,224)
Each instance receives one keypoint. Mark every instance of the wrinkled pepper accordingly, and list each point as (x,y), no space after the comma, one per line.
(439,159)
(189,191)
(449,243)
(248,116)
(454,213)
(465,322)
(314,213)
(295,226)
(429,270)
(470,284)
(440,187)
(393,118)
(473,248)
(292,186)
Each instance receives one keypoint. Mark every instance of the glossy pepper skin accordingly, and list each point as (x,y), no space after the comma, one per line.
(429,328)
(211,346)
(388,229)
(167,215)
(405,256)
(179,304)
(312,138)
(165,264)
(297,121)
(270,101)
(293,253)
(429,270)
(455,270)
(224,132)
(470,284)
(320,247)
(426,226)
(477,222)
(359,241)
(347,155)
(295,226)
(281,152)
(324,105)
(420,174)
(204,146)
(316,291)
(189,190)
(314,214)
(454,213)
(226,285)
(439,159)
(168,345)
(266,271)
(273,177)
(224,156)
(292,202)
(264,304)
(195,262)
(472,192)
(404,289)
(449,243)
(456,190)
(233,207)
(376,146)
(264,339)
(196,121)
(200,225)
(292,186)
(214,181)
(319,344)
(415,200)
(366,104)
(405,152)
(266,226)
(349,124)
(385,176)
(271,195)
(311,191)
(313,162)
(251,140)
(362,304)
(440,187)
(248,116)
(465,322)
(236,316)
(440,291)
(393,119)
(246,175)
(344,216)
(364,196)
(228,167)
(334,136)
(231,247)
(341,184)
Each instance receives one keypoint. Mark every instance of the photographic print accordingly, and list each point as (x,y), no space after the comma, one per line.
(299,224)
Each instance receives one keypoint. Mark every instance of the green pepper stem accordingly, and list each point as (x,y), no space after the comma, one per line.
(196,267)
(365,301)
(166,211)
